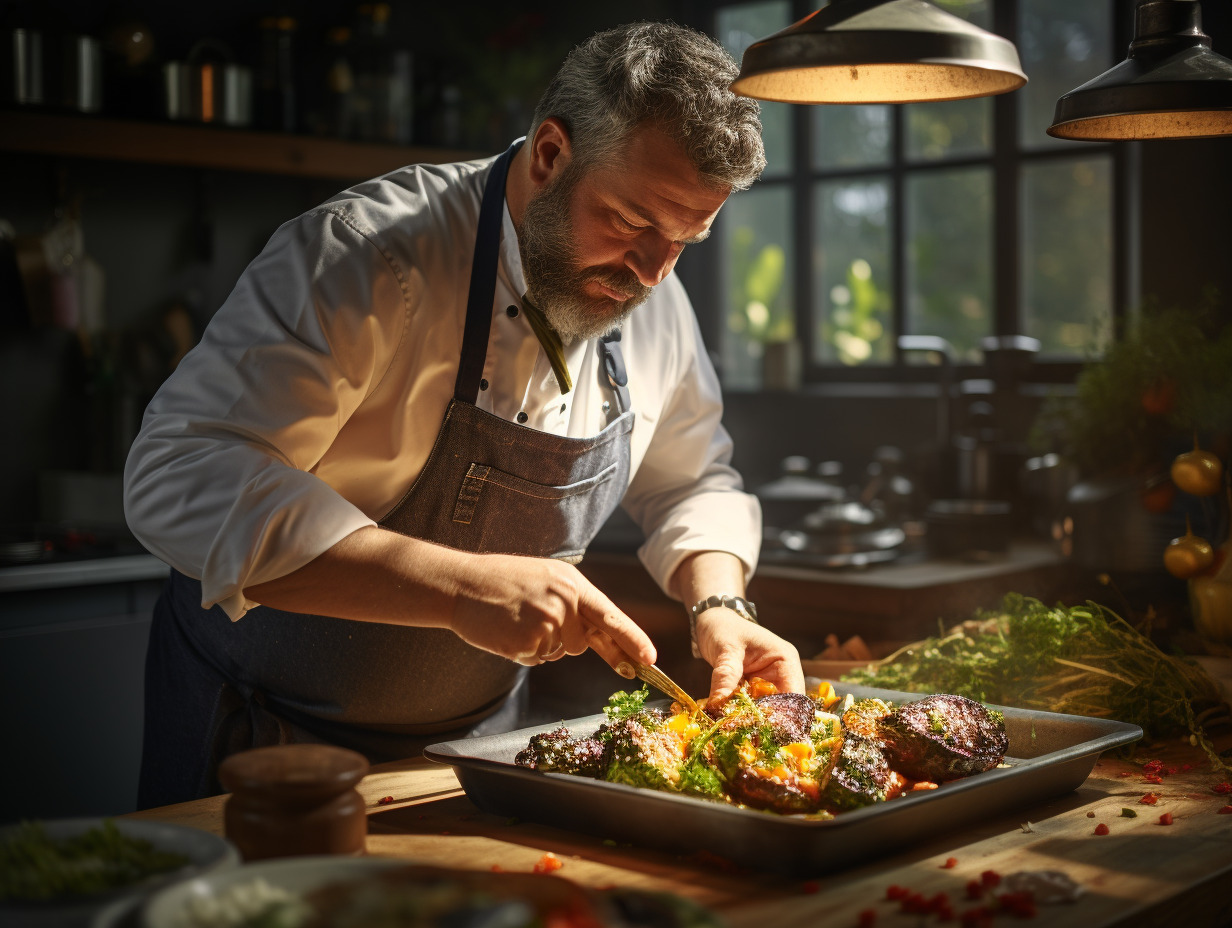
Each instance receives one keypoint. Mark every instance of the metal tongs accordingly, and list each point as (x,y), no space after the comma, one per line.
(649,673)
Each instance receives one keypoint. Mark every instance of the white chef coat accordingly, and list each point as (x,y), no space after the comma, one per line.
(316,393)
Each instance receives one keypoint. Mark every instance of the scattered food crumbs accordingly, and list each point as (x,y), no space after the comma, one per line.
(990,878)
(1125,773)
(385,800)
(867,918)
(810,887)
(1226,810)
(1128,813)
(1224,787)
(950,863)
(1101,829)
(1152,778)
(895,892)
(548,863)
(1149,799)
(1027,829)
(1090,815)
(1166,818)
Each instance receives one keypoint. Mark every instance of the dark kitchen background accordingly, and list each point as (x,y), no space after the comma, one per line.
(130,202)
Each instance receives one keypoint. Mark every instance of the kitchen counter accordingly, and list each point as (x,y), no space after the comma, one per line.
(1141,874)
(81,572)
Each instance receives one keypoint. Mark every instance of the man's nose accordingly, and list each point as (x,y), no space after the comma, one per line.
(652,260)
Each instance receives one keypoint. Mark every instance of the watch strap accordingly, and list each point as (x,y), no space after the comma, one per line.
(737,604)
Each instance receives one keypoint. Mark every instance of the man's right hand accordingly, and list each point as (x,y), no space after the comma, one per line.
(528,609)
(532,609)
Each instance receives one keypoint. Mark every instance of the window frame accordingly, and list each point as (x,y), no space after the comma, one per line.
(1006,161)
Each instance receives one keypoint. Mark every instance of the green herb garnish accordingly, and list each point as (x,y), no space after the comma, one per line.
(34,867)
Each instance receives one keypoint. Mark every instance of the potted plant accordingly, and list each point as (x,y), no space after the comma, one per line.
(1149,429)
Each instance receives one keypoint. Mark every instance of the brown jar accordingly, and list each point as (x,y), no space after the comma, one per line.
(295,799)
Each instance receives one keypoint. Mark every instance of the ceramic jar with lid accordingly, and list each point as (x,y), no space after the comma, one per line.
(295,799)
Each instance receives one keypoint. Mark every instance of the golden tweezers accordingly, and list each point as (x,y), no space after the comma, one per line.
(649,673)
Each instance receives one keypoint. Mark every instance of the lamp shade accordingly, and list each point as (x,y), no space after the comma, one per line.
(1171,86)
(879,51)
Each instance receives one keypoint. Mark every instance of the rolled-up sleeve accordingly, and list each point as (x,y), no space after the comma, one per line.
(686,496)
(219,481)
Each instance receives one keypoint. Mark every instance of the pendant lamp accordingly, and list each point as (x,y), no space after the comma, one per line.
(879,51)
(1171,86)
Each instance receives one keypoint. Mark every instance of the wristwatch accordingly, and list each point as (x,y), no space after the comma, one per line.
(737,604)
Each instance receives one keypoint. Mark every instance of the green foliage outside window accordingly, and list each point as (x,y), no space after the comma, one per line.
(759,306)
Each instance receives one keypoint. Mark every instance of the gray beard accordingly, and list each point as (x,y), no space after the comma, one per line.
(554,276)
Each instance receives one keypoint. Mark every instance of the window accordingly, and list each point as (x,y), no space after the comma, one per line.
(960,219)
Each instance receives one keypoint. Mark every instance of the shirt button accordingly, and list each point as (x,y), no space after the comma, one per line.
(522,417)
(563,407)
(607,406)
(483,384)
(511,311)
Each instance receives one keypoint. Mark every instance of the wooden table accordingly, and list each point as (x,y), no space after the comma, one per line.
(1142,873)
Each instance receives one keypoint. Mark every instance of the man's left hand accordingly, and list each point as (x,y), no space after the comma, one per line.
(737,649)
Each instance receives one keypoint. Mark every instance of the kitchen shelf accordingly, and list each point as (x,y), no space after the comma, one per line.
(201,146)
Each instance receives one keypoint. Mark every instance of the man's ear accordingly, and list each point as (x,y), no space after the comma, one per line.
(550,151)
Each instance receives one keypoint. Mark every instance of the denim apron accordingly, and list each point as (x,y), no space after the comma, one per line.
(214,687)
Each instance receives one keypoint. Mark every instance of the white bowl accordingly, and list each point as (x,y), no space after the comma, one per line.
(171,907)
(205,852)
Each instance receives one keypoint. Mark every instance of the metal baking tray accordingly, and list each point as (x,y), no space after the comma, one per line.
(1049,755)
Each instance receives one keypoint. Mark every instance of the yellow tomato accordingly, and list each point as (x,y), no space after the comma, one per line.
(1188,555)
(1198,472)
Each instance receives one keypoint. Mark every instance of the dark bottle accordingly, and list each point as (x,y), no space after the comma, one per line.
(277,106)
(383,78)
(335,113)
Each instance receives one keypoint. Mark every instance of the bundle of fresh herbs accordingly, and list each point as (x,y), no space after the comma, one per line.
(1078,660)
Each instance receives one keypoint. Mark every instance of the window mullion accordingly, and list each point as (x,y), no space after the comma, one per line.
(1007,318)
(802,230)
(898,237)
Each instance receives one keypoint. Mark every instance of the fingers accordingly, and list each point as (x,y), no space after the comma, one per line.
(788,676)
(726,676)
(601,614)
(607,649)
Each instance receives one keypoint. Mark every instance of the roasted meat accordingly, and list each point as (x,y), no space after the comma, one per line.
(557,751)
(860,776)
(942,738)
(790,715)
(759,790)
(764,755)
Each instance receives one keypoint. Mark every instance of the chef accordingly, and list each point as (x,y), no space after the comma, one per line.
(373,476)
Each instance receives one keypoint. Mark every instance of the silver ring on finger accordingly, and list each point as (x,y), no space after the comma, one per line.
(554,653)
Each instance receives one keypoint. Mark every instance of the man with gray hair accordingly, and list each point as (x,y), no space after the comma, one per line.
(422,400)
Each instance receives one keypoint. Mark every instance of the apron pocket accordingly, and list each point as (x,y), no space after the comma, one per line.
(500,504)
